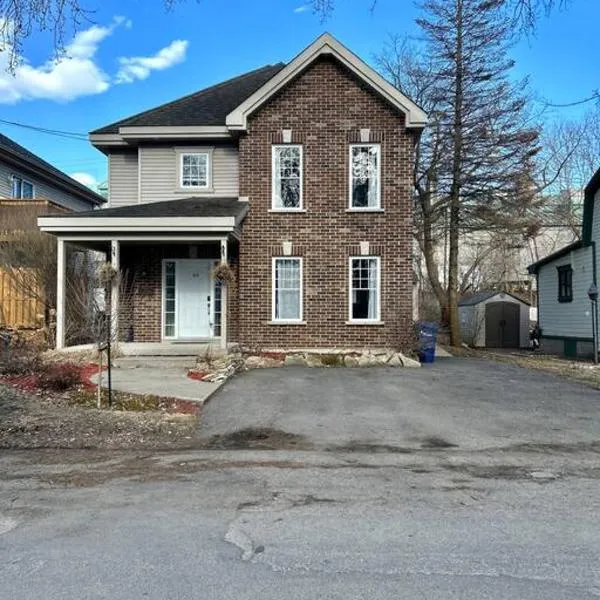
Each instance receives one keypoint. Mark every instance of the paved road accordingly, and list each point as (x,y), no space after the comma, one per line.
(474,404)
(274,525)
(487,519)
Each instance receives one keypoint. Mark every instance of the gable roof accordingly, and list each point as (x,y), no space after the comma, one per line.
(225,107)
(209,106)
(327,45)
(483,296)
(20,155)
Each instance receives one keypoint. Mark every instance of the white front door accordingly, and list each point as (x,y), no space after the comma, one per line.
(193,295)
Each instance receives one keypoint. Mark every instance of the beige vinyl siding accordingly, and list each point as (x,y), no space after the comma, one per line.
(42,189)
(159,174)
(566,319)
(123,178)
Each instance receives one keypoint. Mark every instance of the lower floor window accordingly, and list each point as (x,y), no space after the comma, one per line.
(287,289)
(364,288)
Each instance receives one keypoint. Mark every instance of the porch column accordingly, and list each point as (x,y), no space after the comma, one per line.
(115,261)
(61,272)
(224,298)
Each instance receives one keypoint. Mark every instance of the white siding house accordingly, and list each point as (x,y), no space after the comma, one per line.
(563,280)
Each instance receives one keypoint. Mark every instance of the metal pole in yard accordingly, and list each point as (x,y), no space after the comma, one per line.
(108,365)
(593,296)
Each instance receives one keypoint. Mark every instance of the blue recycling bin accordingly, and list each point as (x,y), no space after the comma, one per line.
(427,333)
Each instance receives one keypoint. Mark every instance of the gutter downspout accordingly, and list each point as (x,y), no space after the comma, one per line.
(595,278)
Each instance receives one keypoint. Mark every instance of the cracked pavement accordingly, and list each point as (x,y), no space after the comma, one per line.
(276,513)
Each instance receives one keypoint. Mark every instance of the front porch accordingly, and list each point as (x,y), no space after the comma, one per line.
(162,297)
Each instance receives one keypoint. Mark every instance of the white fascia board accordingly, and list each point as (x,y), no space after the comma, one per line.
(327,44)
(167,224)
(175,132)
(107,139)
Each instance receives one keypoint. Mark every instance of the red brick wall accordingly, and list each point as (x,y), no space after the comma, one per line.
(326,107)
(141,298)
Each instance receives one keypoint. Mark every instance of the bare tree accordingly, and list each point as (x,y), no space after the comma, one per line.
(475,162)
(524,13)
(27,255)
(19,19)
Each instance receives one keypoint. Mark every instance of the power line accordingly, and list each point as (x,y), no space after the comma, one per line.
(595,96)
(74,135)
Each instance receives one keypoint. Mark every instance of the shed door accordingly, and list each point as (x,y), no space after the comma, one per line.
(502,325)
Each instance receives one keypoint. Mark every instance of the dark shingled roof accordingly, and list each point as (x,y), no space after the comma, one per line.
(33,161)
(185,207)
(209,106)
(483,296)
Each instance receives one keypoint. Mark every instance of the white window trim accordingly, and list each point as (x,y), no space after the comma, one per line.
(164,300)
(378,207)
(274,319)
(23,180)
(377,319)
(274,207)
(208,154)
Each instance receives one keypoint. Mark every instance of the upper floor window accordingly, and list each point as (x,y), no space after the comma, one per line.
(195,170)
(287,177)
(565,283)
(365,176)
(21,188)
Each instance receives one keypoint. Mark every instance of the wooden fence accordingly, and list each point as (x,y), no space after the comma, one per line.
(18,309)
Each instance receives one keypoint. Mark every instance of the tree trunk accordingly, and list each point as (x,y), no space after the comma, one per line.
(455,190)
(428,249)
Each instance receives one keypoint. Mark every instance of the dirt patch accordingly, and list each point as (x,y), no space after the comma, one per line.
(437,442)
(30,422)
(259,438)
(370,448)
(581,371)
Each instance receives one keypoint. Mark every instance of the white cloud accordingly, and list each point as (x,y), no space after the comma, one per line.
(77,73)
(85,179)
(73,75)
(140,67)
(302,8)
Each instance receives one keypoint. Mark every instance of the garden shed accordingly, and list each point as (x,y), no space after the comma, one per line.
(494,320)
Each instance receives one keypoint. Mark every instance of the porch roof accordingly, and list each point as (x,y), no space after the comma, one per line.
(196,214)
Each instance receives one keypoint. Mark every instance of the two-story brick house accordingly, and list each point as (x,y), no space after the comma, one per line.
(299,176)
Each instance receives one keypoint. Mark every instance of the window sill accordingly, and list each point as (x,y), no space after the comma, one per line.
(287,210)
(565,300)
(365,322)
(365,210)
(282,322)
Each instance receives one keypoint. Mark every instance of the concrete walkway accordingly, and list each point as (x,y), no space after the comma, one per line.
(164,376)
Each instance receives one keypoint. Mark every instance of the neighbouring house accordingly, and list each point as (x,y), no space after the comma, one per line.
(30,186)
(563,281)
(494,319)
(295,179)
(489,260)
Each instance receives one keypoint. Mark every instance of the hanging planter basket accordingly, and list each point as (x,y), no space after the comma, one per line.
(107,273)
(223,272)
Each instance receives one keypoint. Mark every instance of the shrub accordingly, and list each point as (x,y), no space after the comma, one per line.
(59,377)
(18,357)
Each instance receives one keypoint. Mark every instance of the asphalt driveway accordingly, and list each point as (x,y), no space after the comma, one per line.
(473,404)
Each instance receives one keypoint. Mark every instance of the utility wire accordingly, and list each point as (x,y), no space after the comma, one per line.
(595,96)
(56,132)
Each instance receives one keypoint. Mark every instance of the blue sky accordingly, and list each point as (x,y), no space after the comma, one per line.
(138,56)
